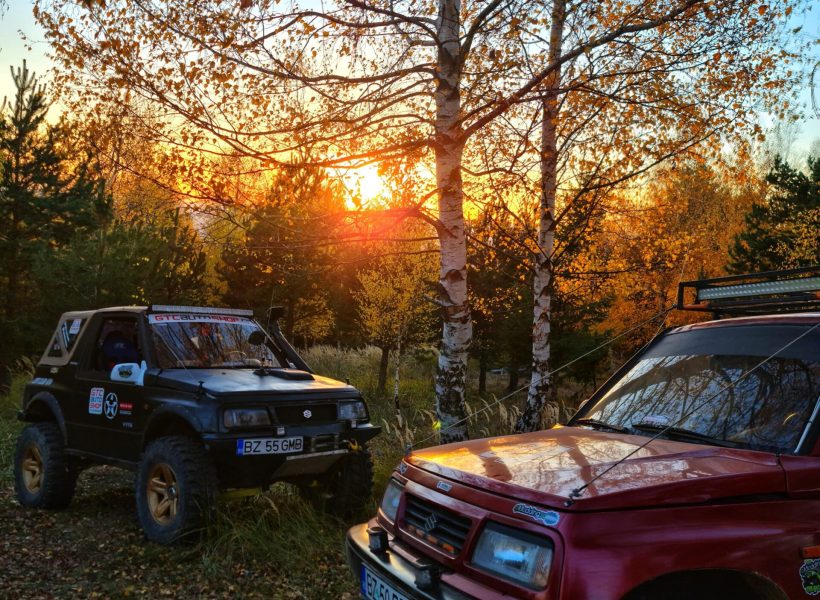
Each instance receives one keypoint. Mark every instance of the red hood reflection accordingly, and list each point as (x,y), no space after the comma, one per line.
(546,466)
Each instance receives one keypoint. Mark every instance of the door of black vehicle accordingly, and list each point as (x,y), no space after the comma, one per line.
(107,415)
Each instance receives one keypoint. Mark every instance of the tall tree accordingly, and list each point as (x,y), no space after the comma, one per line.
(285,254)
(358,82)
(156,258)
(596,111)
(48,193)
(782,231)
(392,301)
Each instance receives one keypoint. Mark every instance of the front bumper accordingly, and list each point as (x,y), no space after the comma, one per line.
(400,566)
(324,445)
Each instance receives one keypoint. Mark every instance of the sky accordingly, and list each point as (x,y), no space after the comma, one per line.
(18,21)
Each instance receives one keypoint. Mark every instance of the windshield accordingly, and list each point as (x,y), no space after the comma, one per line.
(202,341)
(726,397)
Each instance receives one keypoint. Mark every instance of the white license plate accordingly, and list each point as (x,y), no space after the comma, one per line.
(269,446)
(376,588)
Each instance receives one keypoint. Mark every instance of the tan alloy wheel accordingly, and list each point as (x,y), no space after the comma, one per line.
(163,499)
(32,469)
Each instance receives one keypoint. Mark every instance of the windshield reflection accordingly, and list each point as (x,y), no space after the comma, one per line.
(714,396)
(208,342)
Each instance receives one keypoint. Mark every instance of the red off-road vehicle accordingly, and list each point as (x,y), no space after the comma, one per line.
(693,473)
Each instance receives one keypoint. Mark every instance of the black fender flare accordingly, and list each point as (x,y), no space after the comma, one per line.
(32,413)
(165,414)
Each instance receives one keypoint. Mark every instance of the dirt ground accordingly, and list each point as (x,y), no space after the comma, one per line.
(94,549)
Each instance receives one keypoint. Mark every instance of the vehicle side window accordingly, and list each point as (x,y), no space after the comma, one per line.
(117,343)
(67,334)
(70,330)
(55,350)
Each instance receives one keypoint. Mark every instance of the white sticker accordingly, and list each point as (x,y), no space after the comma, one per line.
(173,318)
(95,401)
(75,326)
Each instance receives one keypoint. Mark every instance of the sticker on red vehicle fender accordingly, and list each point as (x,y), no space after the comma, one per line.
(549,518)
(810,576)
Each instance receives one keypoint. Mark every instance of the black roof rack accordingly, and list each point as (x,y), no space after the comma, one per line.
(792,290)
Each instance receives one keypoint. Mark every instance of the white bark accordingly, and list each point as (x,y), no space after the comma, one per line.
(540,382)
(457,334)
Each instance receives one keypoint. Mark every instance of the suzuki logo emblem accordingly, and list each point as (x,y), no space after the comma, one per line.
(430,523)
(307,414)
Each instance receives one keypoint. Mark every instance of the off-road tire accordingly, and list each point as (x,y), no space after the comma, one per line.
(346,489)
(44,477)
(183,465)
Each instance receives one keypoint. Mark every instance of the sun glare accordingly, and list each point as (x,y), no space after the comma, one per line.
(365,186)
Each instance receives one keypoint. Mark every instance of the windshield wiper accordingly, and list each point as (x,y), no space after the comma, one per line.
(686,435)
(596,424)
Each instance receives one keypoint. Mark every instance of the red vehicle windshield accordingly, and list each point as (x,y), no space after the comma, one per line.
(740,395)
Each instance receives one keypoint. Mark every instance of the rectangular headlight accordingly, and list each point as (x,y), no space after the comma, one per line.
(518,556)
(352,411)
(390,500)
(235,418)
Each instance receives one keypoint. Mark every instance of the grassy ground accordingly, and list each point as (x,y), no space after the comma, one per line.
(269,546)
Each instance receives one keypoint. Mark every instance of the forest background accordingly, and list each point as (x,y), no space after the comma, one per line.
(615,152)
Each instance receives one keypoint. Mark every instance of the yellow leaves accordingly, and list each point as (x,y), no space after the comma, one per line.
(761,10)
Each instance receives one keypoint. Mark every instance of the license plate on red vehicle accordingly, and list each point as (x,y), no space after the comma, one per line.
(256,446)
(376,588)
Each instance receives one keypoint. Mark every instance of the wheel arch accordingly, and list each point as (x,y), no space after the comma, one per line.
(171,421)
(708,583)
(44,406)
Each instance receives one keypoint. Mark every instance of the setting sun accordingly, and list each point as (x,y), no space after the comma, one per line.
(364,186)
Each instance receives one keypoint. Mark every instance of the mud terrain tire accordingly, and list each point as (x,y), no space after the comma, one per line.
(44,477)
(346,489)
(175,489)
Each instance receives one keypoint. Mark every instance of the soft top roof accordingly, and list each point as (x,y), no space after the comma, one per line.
(85,314)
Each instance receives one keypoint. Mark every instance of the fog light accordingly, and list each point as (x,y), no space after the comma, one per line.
(377,540)
(280,430)
(427,577)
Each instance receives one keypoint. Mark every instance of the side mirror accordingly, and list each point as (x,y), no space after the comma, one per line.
(129,373)
(256,338)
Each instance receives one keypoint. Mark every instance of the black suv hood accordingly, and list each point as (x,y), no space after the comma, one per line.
(248,382)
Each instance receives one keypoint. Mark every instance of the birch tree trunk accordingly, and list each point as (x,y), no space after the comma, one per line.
(543,284)
(457,333)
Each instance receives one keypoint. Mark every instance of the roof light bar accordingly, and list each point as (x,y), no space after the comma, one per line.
(793,290)
(201,310)
(807,284)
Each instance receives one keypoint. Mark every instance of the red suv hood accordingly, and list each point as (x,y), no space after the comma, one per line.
(544,467)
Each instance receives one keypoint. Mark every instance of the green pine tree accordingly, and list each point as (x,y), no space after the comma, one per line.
(48,195)
(782,232)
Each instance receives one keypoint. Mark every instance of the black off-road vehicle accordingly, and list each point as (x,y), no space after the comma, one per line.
(194,400)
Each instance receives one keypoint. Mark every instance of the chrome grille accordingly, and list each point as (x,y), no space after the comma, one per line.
(435,525)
